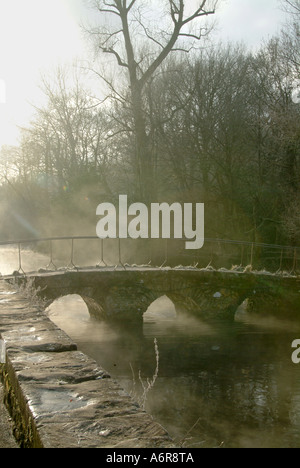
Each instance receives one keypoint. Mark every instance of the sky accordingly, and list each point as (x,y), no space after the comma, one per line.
(37,35)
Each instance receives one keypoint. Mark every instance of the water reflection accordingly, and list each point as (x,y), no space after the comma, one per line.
(236,381)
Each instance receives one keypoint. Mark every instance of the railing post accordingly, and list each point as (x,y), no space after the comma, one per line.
(71,264)
(120,259)
(166,255)
(150,243)
(242,255)
(281,261)
(20,260)
(102,262)
(252,252)
(211,255)
(51,258)
(294,261)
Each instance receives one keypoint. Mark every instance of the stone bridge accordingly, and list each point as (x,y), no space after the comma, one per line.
(112,294)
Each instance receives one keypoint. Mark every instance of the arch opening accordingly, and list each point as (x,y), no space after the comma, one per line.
(162,309)
(68,312)
(241,312)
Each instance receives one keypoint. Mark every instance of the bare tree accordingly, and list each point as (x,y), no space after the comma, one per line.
(140,36)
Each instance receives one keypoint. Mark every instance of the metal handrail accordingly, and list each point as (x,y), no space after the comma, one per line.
(293,251)
(214,240)
(45,239)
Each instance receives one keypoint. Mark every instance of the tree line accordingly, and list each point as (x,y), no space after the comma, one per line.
(218,125)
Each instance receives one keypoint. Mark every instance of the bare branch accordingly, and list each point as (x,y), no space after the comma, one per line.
(110,50)
(130,6)
(107,7)
(177,14)
(198,13)
(115,94)
(174,8)
(110,35)
(194,36)
(106,10)
(149,35)
(182,49)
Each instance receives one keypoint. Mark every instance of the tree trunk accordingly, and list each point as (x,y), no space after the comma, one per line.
(143,154)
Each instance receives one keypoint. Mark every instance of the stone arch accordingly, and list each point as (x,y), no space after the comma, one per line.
(67,308)
(154,309)
(184,303)
(121,303)
(96,310)
(126,295)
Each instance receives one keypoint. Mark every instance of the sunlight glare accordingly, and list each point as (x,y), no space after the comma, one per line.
(35,36)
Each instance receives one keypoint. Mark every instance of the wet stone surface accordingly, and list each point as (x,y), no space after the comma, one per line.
(59,397)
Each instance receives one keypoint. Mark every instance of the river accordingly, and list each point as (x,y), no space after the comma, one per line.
(218,384)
